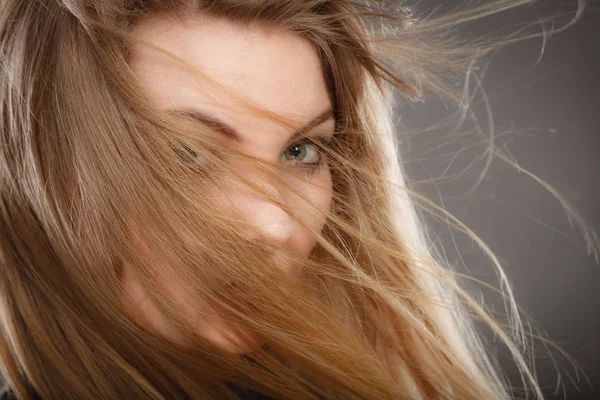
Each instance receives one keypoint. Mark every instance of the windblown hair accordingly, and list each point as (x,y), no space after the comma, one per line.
(84,156)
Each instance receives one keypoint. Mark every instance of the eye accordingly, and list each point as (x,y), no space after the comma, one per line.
(306,152)
(189,156)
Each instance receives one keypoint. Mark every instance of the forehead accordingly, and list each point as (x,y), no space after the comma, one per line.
(274,68)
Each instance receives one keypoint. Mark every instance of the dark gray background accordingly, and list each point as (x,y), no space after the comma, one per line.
(553,107)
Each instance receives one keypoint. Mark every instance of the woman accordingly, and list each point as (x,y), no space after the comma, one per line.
(202,199)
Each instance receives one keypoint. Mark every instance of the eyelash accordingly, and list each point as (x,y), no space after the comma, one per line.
(319,143)
(189,156)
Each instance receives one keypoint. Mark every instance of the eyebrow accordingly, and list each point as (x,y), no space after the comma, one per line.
(231,133)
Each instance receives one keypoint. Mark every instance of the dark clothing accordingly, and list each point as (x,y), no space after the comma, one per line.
(8,395)
(245,394)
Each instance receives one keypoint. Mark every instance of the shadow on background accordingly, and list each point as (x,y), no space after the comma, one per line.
(553,111)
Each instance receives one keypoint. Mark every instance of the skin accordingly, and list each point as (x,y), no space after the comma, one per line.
(275,69)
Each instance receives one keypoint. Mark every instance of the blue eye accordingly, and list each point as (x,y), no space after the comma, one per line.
(306,153)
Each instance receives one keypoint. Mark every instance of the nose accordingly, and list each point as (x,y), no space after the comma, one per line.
(265,220)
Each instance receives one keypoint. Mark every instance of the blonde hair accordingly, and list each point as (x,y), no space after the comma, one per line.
(83,155)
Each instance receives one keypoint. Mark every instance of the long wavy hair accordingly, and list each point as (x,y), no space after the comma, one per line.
(84,156)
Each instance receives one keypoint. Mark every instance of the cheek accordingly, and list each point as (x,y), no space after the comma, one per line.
(314,214)
(137,301)
(140,306)
(207,323)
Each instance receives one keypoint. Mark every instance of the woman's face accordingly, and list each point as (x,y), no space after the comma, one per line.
(279,71)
